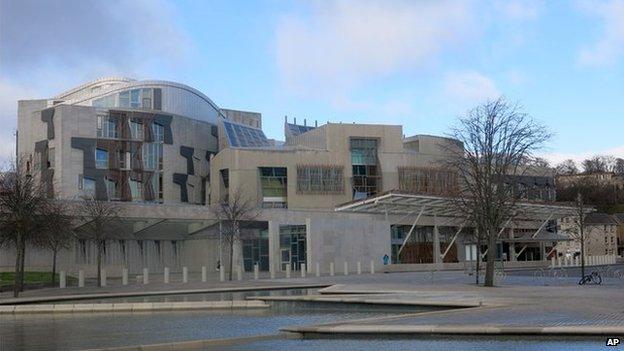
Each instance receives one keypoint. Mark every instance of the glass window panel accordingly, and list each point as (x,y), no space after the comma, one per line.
(101,158)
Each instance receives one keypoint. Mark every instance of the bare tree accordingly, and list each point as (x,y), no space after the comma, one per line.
(577,230)
(567,167)
(618,166)
(58,232)
(598,164)
(498,139)
(23,203)
(101,218)
(230,212)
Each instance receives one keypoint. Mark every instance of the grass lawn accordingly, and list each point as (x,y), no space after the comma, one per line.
(6,278)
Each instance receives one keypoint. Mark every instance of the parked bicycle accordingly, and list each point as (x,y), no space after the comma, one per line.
(593,278)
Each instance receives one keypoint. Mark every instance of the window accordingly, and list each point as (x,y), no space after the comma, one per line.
(106,127)
(158,132)
(124,99)
(429,181)
(112,189)
(366,180)
(136,190)
(273,181)
(152,156)
(101,158)
(320,179)
(135,98)
(106,101)
(146,99)
(88,186)
(136,130)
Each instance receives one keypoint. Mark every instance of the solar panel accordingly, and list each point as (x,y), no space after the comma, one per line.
(295,129)
(244,136)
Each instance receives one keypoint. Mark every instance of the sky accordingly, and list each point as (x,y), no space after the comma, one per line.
(420,64)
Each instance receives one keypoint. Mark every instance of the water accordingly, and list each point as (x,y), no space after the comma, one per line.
(222,296)
(425,343)
(80,331)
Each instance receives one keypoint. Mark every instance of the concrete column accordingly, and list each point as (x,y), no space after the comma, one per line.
(437,254)
(145,276)
(124,276)
(346,268)
(303,270)
(166,275)
(221,273)
(81,278)
(318,269)
(103,277)
(274,249)
(359,267)
(184,275)
(239,273)
(512,246)
(256,272)
(372,266)
(288,271)
(542,251)
(204,275)
(331,269)
(62,280)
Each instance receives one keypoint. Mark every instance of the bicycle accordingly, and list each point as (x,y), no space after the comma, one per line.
(593,278)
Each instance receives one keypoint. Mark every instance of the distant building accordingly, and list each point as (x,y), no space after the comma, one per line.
(601,236)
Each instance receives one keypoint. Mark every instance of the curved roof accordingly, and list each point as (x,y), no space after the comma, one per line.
(124,83)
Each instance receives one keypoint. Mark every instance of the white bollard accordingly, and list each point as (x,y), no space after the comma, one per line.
(331,269)
(318,269)
(166,275)
(288,271)
(62,280)
(221,274)
(303,270)
(239,273)
(346,268)
(81,278)
(145,276)
(204,274)
(184,275)
(372,266)
(256,272)
(103,277)
(124,276)
(359,267)
(552,262)
(272,271)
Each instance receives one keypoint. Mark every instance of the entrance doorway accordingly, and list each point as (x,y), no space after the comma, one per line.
(292,246)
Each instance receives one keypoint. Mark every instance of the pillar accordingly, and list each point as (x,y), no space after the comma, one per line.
(372,266)
(204,275)
(274,254)
(103,277)
(288,272)
(124,276)
(512,246)
(256,271)
(185,274)
(62,280)
(318,269)
(303,270)
(166,275)
(359,267)
(81,278)
(346,268)
(331,269)
(437,255)
(145,276)
(543,251)
(239,273)
(221,273)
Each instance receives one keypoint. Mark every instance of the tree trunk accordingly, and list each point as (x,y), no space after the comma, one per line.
(478,259)
(582,253)
(231,254)
(99,263)
(23,265)
(17,279)
(54,266)
(491,256)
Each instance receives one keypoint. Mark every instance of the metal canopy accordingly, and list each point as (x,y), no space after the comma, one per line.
(394,203)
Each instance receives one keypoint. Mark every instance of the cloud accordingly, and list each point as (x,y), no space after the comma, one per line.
(342,44)
(469,87)
(49,46)
(557,157)
(520,10)
(609,47)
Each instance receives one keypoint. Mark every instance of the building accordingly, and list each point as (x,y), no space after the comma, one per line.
(601,236)
(335,193)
